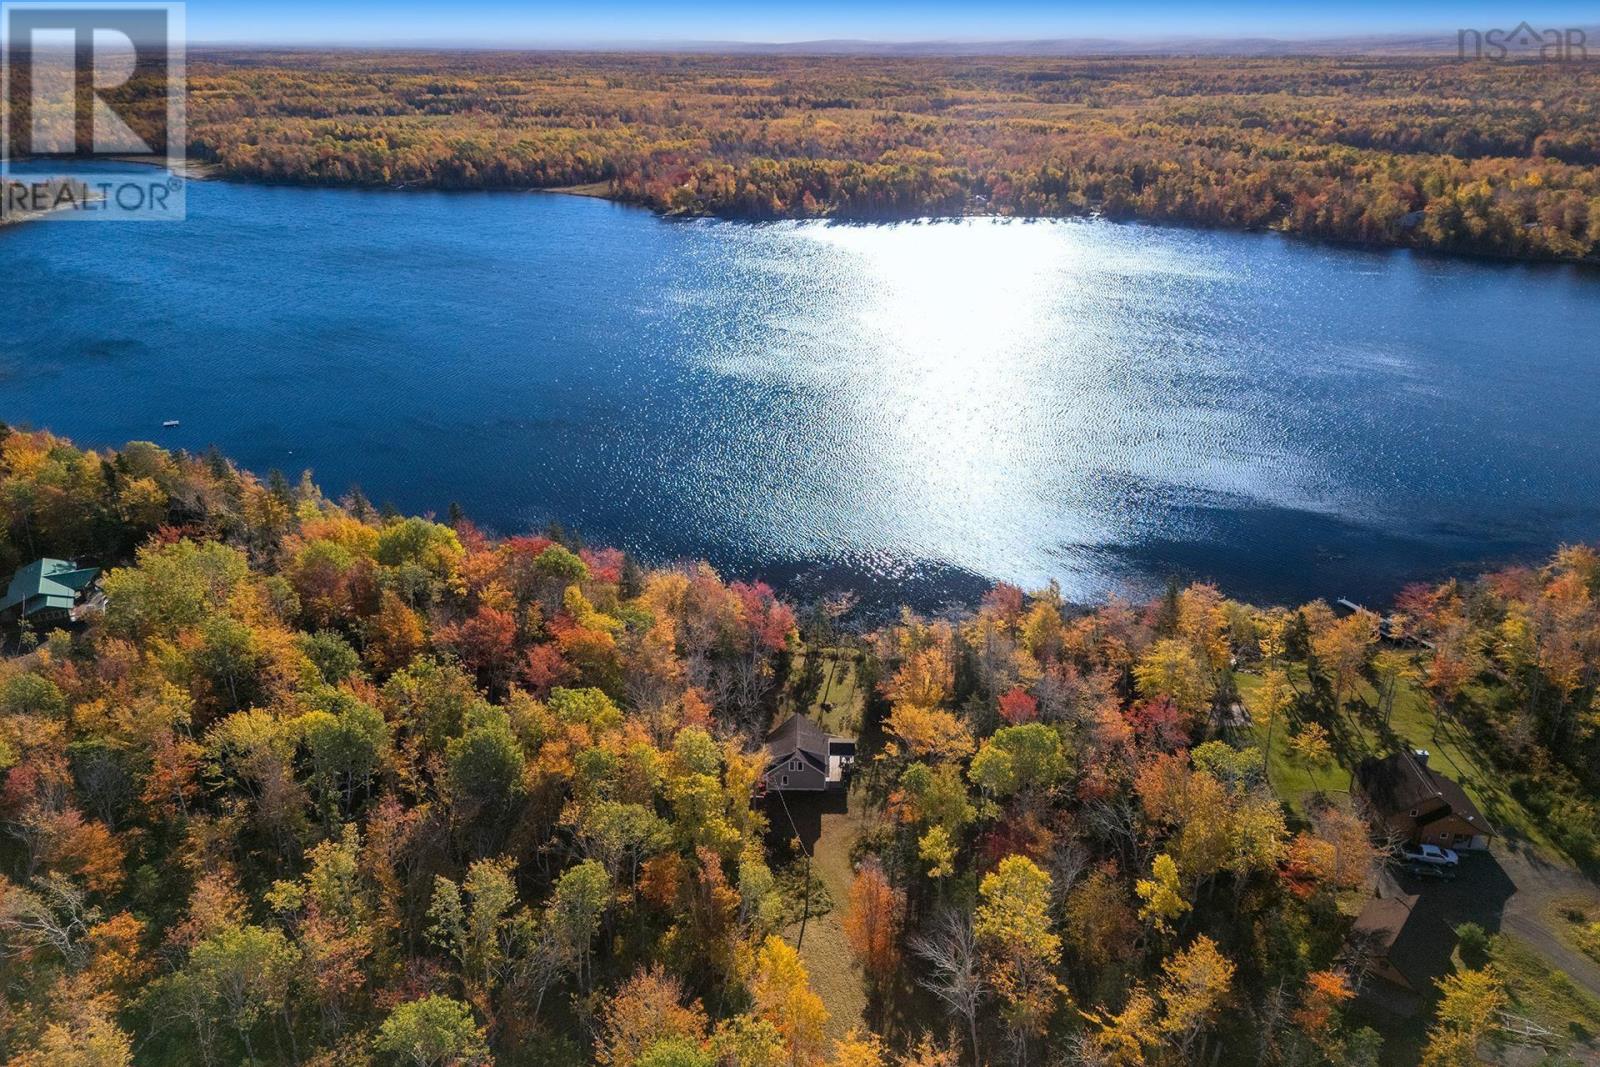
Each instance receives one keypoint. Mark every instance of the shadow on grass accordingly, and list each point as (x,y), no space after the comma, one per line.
(799,815)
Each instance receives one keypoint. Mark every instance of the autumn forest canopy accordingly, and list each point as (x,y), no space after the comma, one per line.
(1484,158)
(330,786)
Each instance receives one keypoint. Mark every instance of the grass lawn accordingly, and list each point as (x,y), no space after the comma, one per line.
(825,950)
(1360,733)
(1291,779)
(1542,994)
(1576,920)
(824,685)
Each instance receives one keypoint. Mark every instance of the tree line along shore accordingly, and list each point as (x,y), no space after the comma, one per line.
(1433,153)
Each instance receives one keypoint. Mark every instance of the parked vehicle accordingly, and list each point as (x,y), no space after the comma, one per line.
(1432,854)
(1424,870)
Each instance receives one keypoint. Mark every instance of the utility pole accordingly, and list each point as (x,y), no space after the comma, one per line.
(805,911)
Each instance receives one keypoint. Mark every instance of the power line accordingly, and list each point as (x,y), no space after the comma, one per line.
(805,909)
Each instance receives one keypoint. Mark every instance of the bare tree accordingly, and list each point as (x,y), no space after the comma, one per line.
(104,781)
(1116,820)
(1079,1050)
(539,963)
(1271,1017)
(951,951)
(1360,954)
(56,916)
(750,683)
(650,688)
(1067,865)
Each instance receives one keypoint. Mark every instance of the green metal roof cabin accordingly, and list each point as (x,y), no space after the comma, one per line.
(46,590)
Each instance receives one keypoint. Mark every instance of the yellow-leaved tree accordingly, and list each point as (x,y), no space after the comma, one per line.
(1469,1006)
(1020,945)
(1195,984)
(1170,669)
(783,997)
(1162,895)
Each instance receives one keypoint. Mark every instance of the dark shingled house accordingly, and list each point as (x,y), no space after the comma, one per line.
(47,592)
(1394,944)
(1411,800)
(1376,940)
(802,757)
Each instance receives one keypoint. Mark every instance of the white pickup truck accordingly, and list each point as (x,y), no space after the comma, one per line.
(1432,854)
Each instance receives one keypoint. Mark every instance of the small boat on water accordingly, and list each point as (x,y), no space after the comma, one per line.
(169,424)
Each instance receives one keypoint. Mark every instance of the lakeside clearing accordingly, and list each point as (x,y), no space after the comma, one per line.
(600,190)
(1414,724)
(825,687)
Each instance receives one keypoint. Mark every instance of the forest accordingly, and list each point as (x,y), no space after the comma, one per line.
(326,785)
(1479,158)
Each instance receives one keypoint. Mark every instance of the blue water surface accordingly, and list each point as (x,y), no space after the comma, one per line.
(908,411)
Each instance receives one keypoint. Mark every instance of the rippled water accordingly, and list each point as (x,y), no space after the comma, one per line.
(830,406)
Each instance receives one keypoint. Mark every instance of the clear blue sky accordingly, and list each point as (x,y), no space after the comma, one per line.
(507,22)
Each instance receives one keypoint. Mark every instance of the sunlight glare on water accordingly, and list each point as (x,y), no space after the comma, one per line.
(986,386)
(909,411)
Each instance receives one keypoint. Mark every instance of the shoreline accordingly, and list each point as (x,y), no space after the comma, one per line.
(933,587)
(188,169)
(79,196)
(191,170)
(600,190)
(208,171)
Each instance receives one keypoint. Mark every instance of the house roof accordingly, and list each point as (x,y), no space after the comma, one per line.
(57,581)
(1383,920)
(1400,785)
(1461,805)
(1388,931)
(798,734)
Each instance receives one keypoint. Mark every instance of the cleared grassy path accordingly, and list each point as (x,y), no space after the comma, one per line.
(825,950)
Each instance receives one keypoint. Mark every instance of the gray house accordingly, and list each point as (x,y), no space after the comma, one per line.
(802,757)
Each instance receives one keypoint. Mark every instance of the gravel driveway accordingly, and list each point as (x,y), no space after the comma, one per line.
(1512,888)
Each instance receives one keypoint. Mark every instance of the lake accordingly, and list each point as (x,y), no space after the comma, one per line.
(909,411)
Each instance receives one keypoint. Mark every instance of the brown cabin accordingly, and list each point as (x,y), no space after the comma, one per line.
(1376,939)
(1411,800)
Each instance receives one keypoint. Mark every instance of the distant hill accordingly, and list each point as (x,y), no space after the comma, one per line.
(1441,42)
